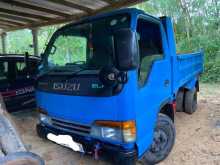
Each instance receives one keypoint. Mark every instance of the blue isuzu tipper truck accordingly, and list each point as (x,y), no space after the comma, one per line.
(110,85)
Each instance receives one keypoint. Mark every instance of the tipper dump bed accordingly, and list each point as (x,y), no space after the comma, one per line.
(187,67)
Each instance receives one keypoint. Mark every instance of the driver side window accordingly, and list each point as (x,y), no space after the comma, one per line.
(150,48)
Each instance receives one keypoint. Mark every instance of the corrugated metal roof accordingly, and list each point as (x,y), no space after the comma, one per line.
(20,14)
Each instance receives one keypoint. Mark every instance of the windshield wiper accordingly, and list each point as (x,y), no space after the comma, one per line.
(66,71)
(77,72)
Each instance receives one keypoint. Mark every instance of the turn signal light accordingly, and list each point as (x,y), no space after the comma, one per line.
(128,128)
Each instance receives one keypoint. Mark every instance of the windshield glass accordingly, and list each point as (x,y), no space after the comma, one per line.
(87,44)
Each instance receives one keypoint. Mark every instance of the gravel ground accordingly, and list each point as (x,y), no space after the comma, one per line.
(198,135)
(197,141)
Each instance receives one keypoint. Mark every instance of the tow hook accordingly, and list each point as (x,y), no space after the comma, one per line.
(96,151)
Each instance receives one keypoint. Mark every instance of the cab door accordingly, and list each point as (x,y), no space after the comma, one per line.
(21,86)
(153,79)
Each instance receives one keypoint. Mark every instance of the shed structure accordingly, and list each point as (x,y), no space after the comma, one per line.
(32,14)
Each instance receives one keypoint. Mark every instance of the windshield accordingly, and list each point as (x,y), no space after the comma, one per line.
(87,44)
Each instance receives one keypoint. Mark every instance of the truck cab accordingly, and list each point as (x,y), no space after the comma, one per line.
(109,83)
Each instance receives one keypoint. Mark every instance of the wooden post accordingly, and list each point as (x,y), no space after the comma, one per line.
(4,46)
(35,41)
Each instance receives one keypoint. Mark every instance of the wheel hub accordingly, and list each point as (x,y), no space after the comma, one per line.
(160,140)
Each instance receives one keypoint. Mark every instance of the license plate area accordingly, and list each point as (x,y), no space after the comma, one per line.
(67,141)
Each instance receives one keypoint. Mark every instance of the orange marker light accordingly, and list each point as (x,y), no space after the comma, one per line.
(128,128)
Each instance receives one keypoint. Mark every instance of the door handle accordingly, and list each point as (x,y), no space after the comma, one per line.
(166,83)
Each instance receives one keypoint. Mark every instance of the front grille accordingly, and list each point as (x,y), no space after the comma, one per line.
(88,85)
(71,127)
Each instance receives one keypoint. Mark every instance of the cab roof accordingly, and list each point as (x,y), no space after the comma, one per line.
(131,11)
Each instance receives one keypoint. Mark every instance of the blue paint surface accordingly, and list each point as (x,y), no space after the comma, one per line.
(133,103)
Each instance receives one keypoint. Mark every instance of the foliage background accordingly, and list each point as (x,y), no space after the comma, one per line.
(196,22)
(197,26)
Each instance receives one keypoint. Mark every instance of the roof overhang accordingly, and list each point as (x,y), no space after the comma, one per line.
(21,14)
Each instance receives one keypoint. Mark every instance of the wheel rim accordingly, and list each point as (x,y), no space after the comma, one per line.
(160,141)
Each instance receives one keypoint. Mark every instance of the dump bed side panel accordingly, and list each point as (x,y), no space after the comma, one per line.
(187,68)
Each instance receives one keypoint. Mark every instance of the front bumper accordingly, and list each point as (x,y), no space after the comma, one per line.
(20,102)
(117,154)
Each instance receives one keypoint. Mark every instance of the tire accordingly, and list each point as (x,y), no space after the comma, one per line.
(179,101)
(40,132)
(190,101)
(164,130)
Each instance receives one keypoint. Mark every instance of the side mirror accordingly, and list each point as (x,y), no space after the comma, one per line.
(27,62)
(111,76)
(41,59)
(126,49)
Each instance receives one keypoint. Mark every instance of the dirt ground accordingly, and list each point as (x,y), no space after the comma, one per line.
(197,141)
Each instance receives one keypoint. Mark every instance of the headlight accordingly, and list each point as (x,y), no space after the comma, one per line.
(45,119)
(43,116)
(107,132)
(118,131)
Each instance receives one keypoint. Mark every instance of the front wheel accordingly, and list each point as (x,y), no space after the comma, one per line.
(164,139)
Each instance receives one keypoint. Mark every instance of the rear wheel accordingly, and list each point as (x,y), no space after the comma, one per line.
(164,138)
(190,101)
(179,101)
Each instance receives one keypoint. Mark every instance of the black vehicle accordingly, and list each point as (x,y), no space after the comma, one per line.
(17,77)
